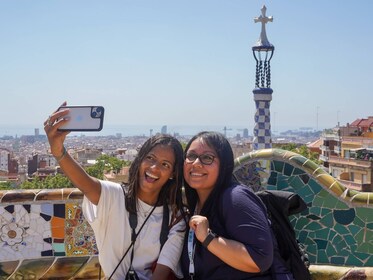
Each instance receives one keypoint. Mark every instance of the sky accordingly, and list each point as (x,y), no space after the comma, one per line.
(170,62)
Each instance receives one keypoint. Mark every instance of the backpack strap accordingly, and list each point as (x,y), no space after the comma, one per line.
(165,225)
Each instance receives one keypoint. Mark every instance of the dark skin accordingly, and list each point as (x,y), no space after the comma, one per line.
(87,184)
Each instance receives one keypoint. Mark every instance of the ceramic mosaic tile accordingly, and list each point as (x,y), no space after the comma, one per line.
(79,234)
(24,229)
(65,267)
(335,229)
(7,269)
(33,269)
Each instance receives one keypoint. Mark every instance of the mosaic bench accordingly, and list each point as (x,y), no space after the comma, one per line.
(45,236)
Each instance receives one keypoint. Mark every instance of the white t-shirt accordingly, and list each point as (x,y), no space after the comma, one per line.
(110,223)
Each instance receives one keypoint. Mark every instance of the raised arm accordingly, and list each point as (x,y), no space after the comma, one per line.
(89,185)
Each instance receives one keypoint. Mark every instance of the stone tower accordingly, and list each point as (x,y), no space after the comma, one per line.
(263,52)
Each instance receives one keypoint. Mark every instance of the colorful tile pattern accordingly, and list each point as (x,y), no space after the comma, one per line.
(337,227)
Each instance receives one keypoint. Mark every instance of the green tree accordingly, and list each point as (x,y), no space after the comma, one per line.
(34,183)
(302,150)
(96,170)
(6,186)
(112,163)
(103,163)
(57,181)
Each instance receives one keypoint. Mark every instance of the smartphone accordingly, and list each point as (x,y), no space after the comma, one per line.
(84,118)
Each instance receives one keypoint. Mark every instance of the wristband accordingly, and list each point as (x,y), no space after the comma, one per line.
(58,159)
(210,236)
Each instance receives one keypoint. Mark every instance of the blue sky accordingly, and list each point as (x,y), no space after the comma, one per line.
(185,62)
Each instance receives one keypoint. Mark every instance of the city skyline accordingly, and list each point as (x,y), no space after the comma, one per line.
(172,63)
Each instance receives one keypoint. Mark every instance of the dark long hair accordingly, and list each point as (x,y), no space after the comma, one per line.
(223,149)
(171,191)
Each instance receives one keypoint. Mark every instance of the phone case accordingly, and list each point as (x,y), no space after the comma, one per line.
(84,118)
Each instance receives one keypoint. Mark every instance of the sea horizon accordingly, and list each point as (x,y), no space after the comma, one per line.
(145,130)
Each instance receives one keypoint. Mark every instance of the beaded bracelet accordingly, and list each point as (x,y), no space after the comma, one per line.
(58,159)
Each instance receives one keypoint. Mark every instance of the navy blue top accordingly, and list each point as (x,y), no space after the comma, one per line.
(242,217)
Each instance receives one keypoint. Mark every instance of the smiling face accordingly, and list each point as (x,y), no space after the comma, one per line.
(201,177)
(155,169)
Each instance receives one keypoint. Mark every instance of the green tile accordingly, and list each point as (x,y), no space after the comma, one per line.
(354,229)
(365,247)
(301,223)
(327,220)
(322,257)
(326,211)
(359,222)
(272,180)
(337,239)
(354,261)
(350,240)
(321,244)
(330,202)
(282,184)
(341,229)
(342,205)
(330,250)
(298,160)
(370,226)
(313,226)
(296,182)
(311,235)
(323,194)
(364,257)
(323,233)
(337,260)
(341,246)
(366,214)
(302,236)
(288,169)
(332,233)
(315,211)
(298,171)
(318,201)
(369,262)
(278,166)
(310,166)
(58,247)
(305,192)
(315,186)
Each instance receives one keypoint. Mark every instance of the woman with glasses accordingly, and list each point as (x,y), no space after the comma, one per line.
(118,213)
(229,236)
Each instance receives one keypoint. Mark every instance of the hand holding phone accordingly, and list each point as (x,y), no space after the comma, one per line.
(83,118)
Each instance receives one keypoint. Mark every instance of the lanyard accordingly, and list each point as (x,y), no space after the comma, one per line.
(191,250)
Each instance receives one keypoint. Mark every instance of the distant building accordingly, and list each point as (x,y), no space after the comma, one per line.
(41,165)
(4,158)
(347,153)
(83,155)
(164,129)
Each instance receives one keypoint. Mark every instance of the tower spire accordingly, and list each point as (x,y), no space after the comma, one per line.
(263,52)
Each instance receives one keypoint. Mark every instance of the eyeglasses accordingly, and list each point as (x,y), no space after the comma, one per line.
(205,159)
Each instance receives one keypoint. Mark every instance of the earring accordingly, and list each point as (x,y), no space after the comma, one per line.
(170,178)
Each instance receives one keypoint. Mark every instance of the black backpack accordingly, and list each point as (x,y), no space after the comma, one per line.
(280,205)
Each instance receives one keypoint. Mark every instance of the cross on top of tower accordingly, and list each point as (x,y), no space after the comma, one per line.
(263,19)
